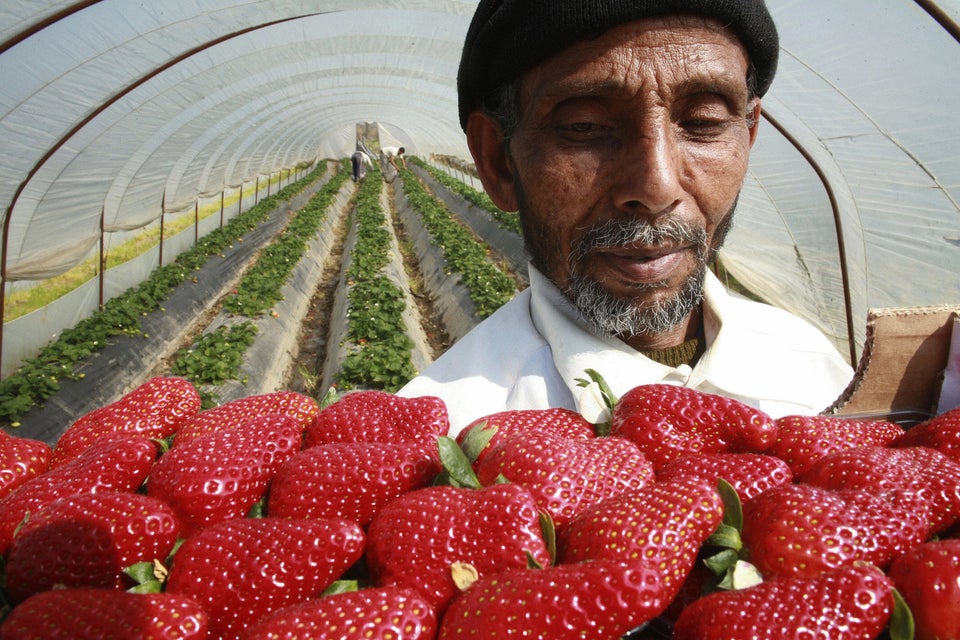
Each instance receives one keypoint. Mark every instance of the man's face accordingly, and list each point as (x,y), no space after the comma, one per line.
(625,166)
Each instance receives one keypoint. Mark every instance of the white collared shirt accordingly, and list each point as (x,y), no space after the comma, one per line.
(530,353)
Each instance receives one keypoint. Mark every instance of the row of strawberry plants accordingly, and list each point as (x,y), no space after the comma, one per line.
(489,287)
(260,287)
(379,353)
(506,219)
(38,378)
(217,356)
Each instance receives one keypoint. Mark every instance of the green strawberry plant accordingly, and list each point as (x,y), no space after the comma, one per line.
(215,357)
(379,353)
(508,220)
(489,287)
(259,289)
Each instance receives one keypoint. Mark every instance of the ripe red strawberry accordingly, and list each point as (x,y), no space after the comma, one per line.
(798,530)
(387,613)
(351,480)
(87,540)
(96,614)
(925,472)
(802,440)
(566,475)
(928,578)
(667,421)
(749,473)
(237,412)
(493,429)
(851,602)
(940,432)
(221,475)
(378,416)
(602,599)
(414,540)
(20,460)
(155,409)
(241,570)
(118,463)
(663,524)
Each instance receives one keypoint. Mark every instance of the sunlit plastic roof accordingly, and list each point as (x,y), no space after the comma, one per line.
(113,112)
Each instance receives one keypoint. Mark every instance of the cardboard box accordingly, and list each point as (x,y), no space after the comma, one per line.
(901,371)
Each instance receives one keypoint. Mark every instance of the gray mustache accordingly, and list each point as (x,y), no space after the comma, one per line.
(618,233)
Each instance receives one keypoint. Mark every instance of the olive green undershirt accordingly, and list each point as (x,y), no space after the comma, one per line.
(684,353)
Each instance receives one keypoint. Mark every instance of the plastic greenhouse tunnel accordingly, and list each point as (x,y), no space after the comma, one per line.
(135,133)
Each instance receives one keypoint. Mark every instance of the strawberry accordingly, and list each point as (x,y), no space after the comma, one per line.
(119,463)
(96,614)
(385,613)
(351,480)
(221,475)
(663,524)
(940,432)
(667,421)
(155,409)
(850,602)
(414,540)
(798,530)
(241,570)
(565,475)
(750,473)
(104,534)
(802,440)
(601,599)
(20,460)
(925,472)
(232,414)
(490,430)
(928,578)
(378,416)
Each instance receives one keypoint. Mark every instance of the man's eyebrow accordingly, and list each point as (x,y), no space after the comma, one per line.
(716,84)
(577,88)
(571,88)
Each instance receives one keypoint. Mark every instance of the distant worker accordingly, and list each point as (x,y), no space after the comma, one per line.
(360,162)
(388,162)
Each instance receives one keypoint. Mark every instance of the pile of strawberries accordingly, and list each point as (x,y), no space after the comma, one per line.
(685,515)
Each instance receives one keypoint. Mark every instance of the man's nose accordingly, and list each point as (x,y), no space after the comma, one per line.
(649,182)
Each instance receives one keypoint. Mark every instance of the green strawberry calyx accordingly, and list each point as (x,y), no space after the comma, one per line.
(724,547)
(596,401)
(457,470)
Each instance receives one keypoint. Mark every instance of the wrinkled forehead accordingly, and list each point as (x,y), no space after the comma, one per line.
(691,52)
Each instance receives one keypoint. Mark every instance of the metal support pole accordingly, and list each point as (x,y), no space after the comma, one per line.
(101,277)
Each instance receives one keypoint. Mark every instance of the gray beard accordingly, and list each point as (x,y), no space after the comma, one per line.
(625,317)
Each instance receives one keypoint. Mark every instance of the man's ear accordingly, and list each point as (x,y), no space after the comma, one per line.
(493,165)
(754,109)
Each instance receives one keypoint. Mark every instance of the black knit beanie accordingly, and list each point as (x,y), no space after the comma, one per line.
(509,37)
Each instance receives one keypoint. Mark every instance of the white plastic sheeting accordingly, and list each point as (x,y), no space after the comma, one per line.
(114,111)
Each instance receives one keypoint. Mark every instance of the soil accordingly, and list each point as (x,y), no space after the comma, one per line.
(308,365)
(437,336)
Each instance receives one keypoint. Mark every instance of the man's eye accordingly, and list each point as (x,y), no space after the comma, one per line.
(580,127)
(704,126)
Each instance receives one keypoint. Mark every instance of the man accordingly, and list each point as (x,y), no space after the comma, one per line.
(359,162)
(621,132)
(392,154)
